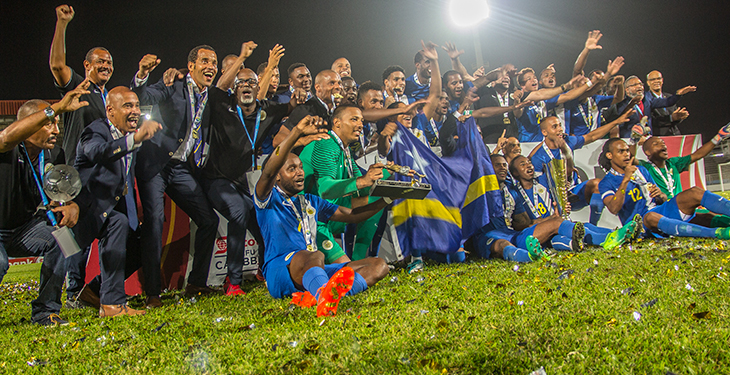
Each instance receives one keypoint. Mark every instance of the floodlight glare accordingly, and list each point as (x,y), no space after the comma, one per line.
(466,13)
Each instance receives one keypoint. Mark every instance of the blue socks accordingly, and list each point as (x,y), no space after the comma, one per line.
(680,228)
(514,254)
(596,208)
(715,203)
(561,243)
(566,228)
(359,285)
(314,279)
(595,235)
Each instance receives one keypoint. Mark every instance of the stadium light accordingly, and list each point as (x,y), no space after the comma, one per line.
(467,13)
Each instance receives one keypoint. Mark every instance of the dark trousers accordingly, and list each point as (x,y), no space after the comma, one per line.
(237,207)
(178,182)
(34,238)
(112,257)
(76,272)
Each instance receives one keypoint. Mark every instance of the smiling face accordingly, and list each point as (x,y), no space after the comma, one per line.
(552,129)
(247,87)
(372,99)
(328,84)
(204,68)
(655,81)
(300,78)
(501,169)
(512,148)
(291,175)
(522,168)
(342,67)
(122,109)
(349,91)
(454,87)
(100,68)
(348,124)
(655,149)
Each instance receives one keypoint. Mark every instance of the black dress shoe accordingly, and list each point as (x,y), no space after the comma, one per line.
(153,302)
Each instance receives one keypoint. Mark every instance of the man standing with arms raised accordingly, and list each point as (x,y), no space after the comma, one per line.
(169,162)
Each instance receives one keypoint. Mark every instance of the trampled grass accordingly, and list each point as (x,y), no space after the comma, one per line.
(654,308)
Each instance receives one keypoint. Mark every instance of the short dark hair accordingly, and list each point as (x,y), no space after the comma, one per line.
(392,69)
(521,75)
(512,164)
(445,77)
(367,86)
(341,108)
(347,78)
(419,57)
(90,54)
(261,68)
(30,107)
(294,66)
(193,55)
(494,156)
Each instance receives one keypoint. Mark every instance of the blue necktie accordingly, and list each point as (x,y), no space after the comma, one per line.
(197,144)
(131,206)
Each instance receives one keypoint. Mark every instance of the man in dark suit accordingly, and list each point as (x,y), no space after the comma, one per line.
(635,89)
(664,121)
(169,162)
(105,160)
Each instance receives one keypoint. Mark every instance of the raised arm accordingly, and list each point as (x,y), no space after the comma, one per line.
(547,93)
(456,64)
(57,60)
(601,131)
(434,92)
(275,55)
(225,82)
(590,45)
(20,130)
(98,150)
(494,111)
(616,201)
(372,115)
(309,128)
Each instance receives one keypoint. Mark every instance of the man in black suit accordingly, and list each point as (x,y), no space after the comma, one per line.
(664,121)
(105,160)
(496,96)
(169,162)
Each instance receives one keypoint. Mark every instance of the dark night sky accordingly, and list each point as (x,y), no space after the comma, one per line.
(686,41)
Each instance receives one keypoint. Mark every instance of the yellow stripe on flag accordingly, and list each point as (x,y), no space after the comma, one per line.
(427,208)
(480,187)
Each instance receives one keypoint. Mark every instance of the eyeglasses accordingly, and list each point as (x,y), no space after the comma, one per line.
(637,84)
(250,81)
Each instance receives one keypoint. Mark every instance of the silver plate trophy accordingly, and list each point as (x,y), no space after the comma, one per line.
(415,189)
(62,183)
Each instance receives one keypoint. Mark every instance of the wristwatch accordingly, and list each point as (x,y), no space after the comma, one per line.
(50,113)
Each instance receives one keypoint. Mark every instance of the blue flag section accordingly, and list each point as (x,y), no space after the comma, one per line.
(463,186)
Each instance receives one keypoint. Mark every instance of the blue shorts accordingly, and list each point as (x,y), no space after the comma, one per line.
(278,278)
(483,241)
(520,239)
(580,191)
(670,210)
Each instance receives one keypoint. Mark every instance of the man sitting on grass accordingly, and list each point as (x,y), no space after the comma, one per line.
(538,202)
(288,223)
(629,190)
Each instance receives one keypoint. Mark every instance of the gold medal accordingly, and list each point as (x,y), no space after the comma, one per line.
(263,115)
(195,133)
(311,248)
(506,120)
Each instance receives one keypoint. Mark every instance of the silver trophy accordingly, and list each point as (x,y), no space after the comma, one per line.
(62,183)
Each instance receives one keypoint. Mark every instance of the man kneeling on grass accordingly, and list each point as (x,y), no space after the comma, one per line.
(629,190)
(288,223)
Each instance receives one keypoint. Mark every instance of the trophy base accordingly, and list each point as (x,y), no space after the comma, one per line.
(399,190)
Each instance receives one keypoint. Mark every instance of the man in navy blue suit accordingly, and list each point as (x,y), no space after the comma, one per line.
(169,162)
(635,89)
(105,160)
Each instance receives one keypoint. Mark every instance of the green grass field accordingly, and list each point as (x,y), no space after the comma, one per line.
(658,307)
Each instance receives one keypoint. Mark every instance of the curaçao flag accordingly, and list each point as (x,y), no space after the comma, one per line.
(463,197)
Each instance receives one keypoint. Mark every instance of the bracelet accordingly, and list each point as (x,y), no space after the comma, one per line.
(387,200)
(562,87)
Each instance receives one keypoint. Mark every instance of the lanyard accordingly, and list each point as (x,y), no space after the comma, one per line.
(548,151)
(530,203)
(508,205)
(197,116)
(636,107)
(255,132)
(434,128)
(668,180)
(116,135)
(504,102)
(39,181)
(303,224)
(348,157)
(588,118)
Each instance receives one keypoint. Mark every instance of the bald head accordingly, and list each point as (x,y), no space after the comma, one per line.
(46,136)
(655,81)
(122,109)
(30,107)
(324,76)
(326,84)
